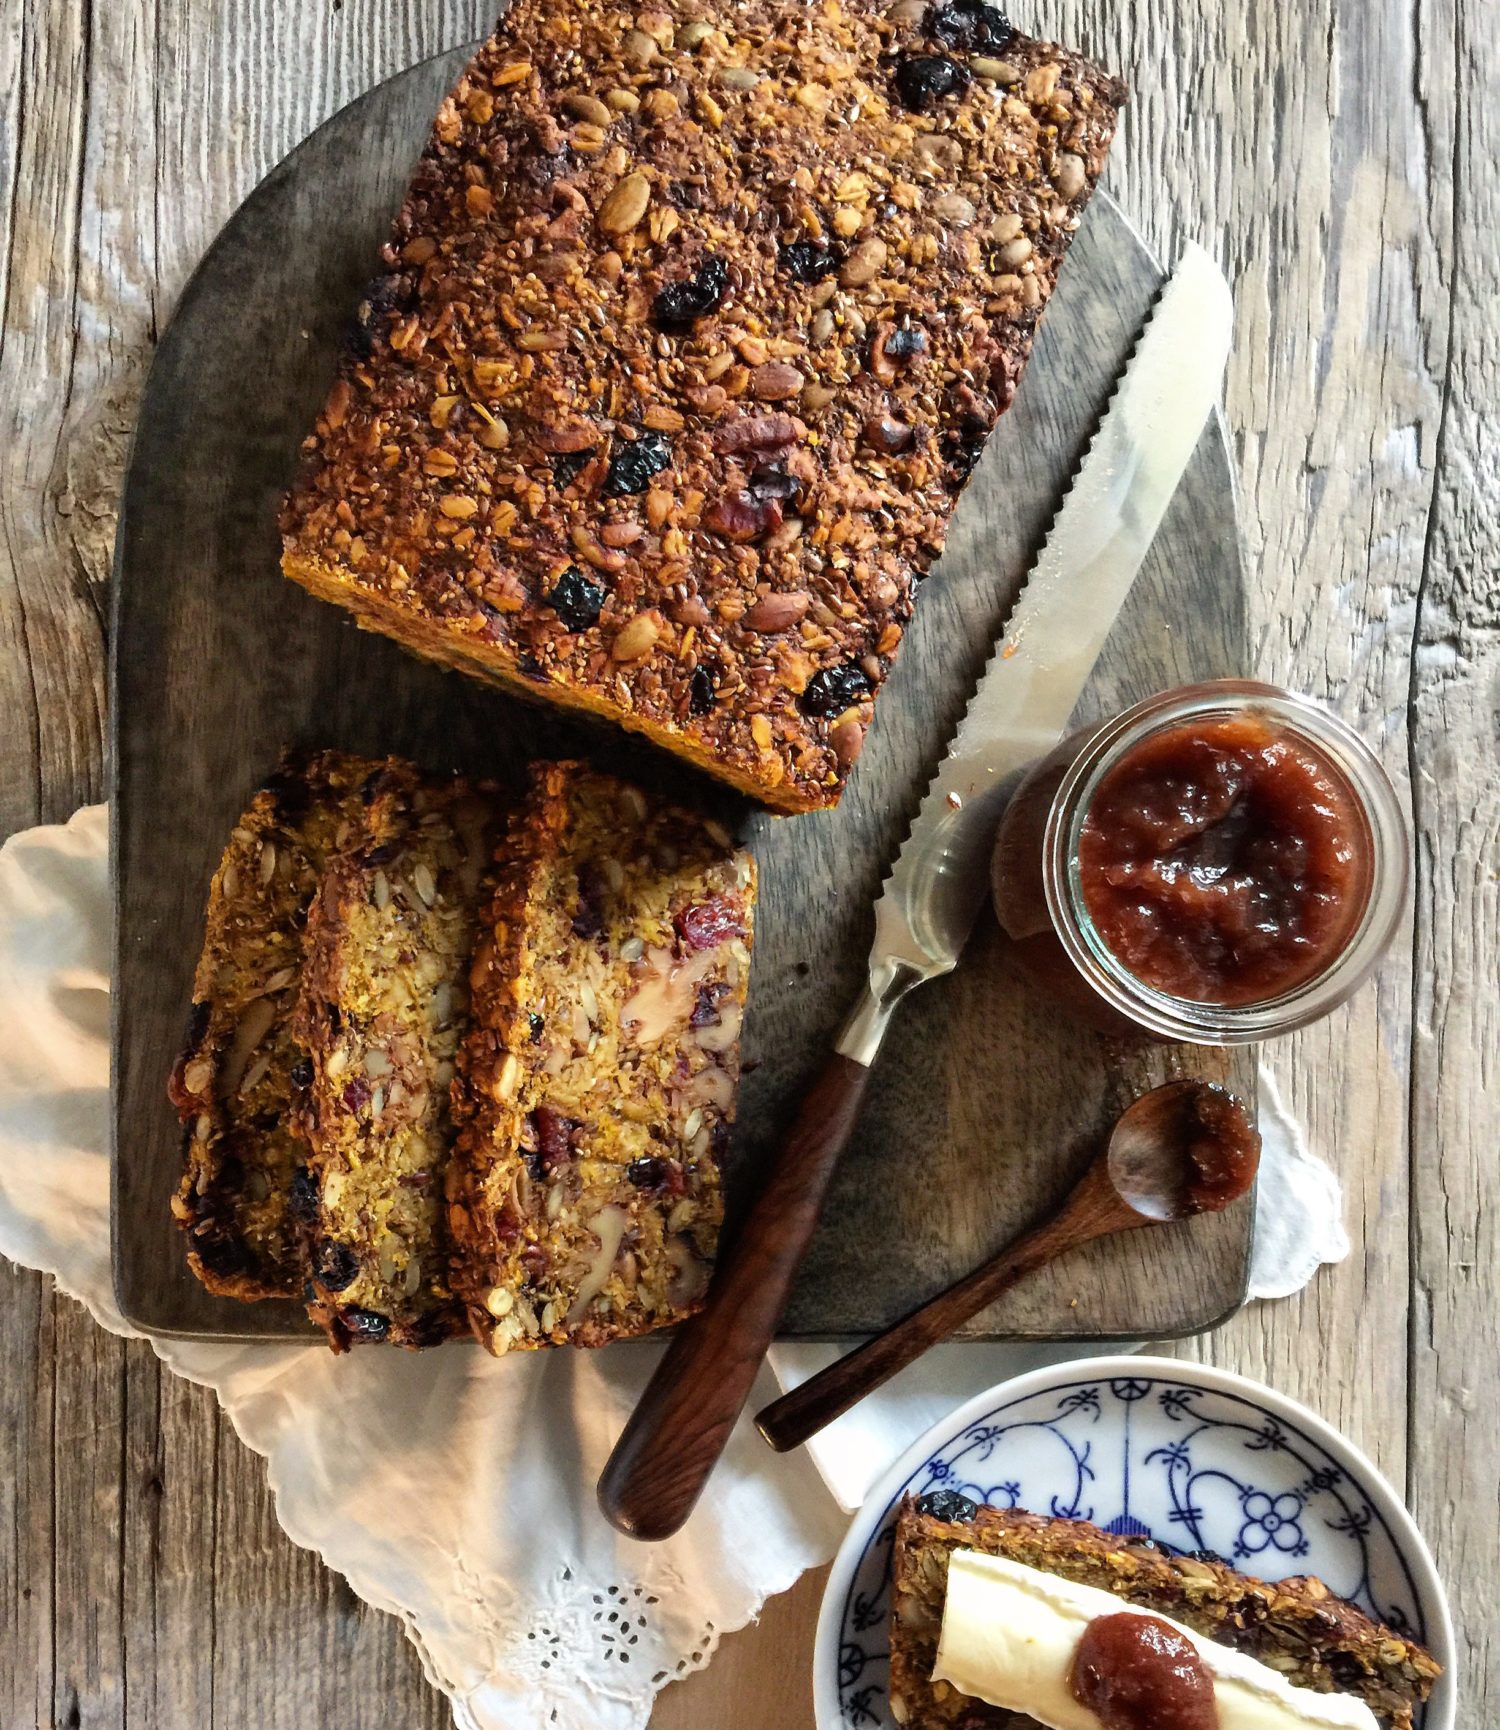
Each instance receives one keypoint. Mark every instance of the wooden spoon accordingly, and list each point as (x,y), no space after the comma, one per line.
(1187,1147)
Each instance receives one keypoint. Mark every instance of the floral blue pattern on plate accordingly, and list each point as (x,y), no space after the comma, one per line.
(1192,1458)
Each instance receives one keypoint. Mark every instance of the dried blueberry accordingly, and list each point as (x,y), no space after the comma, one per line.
(700,691)
(588,921)
(576,600)
(365,1324)
(568,465)
(973,26)
(531,667)
(632,465)
(385,299)
(224,1257)
(947,1505)
(924,79)
(679,303)
(806,261)
(537,1025)
(905,343)
(334,1265)
(301,1073)
(302,1196)
(833,689)
(706,1007)
(646,1173)
(198,1019)
(771,481)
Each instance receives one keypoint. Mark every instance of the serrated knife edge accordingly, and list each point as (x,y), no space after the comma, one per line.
(1097,541)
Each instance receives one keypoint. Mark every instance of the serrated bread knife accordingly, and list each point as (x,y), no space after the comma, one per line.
(928,903)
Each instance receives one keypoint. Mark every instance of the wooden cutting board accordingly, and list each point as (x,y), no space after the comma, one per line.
(986,1102)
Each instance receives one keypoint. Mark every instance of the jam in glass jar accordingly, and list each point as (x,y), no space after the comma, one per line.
(1218,864)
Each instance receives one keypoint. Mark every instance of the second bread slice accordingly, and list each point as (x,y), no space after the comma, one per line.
(383,1006)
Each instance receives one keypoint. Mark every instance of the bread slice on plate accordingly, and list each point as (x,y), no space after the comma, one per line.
(383,1006)
(689,334)
(1295,1626)
(233,1083)
(597,1080)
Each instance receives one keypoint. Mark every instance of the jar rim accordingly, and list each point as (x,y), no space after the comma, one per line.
(1180,1018)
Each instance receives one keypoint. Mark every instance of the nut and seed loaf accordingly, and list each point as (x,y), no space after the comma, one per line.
(232,1085)
(689,334)
(597,1081)
(1296,1626)
(383,1006)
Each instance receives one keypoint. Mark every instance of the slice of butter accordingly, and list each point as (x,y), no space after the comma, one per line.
(1010,1632)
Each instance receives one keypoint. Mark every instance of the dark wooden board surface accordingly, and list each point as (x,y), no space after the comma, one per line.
(986,1101)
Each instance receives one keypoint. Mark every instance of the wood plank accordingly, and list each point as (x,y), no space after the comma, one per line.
(26,1404)
(1453,1462)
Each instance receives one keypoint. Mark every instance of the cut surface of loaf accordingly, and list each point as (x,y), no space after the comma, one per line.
(1296,1626)
(232,1085)
(383,1007)
(688,336)
(597,1081)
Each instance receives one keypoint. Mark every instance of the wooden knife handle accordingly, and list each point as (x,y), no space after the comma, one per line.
(678,1430)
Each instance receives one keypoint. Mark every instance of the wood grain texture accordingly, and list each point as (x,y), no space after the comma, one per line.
(1339,160)
(987,1101)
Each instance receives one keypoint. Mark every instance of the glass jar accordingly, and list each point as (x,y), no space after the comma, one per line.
(1115,844)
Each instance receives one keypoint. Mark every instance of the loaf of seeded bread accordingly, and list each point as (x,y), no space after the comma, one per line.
(689,334)
(382,1009)
(597,1080)
(233,1083)
(1296,1626)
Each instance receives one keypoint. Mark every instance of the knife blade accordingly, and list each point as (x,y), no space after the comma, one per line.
(936,884)
(1052,639)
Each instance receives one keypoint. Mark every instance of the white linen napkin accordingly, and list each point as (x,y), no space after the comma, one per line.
(479,1530)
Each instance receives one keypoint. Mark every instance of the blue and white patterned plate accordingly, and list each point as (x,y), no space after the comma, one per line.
(1191,1457)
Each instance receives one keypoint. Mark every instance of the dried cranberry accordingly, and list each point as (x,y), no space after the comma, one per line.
(429,1330)
(554,1136)
(632,465)
(700,691)
(947,1505)
(575,600)
(831,690)
(905,343)
(806,261)
(356,1095)
(302,1196)
(972,26)
(537,1025)
(568,465)
(706,924)
(365,1324)
(742,515)
(679,303)
(924,79)
(706,1008)
(334,1265)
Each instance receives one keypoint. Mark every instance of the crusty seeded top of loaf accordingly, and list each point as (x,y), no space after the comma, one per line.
(1297,1626)
(690,332)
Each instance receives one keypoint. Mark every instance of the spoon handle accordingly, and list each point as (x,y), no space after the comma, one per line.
(1091,1211)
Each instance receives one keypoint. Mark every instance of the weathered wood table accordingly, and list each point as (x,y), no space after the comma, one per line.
(1339,159)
